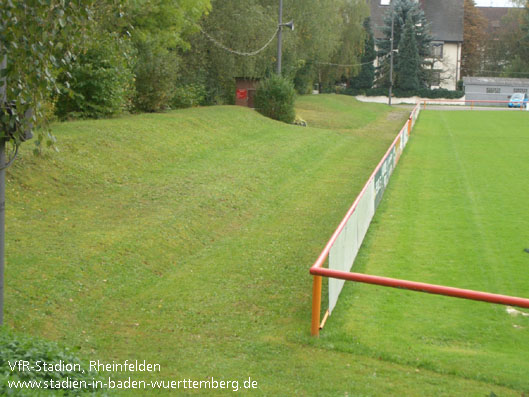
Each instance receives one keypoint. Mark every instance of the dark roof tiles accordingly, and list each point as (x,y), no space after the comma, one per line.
(445,17)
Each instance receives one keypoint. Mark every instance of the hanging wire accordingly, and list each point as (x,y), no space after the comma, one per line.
(340,65)
(247,54)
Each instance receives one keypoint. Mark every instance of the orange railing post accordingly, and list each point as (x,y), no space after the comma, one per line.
(316,306)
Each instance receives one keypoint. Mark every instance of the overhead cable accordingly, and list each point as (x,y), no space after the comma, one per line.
(343,66)
(247,54)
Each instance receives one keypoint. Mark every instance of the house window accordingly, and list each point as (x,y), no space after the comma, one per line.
(437,50)
(493,90)
(520,90)
(385,2)
(436,78)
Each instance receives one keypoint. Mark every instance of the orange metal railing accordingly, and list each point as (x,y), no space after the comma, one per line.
(318,271)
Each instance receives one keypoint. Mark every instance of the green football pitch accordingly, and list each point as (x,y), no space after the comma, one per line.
(455,213)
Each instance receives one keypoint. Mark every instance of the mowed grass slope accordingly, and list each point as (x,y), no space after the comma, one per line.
(455,214)
(185,239)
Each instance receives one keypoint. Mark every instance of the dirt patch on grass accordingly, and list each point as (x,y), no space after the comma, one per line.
(397,115)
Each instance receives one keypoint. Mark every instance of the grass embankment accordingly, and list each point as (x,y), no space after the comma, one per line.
(185,239)
(455,214)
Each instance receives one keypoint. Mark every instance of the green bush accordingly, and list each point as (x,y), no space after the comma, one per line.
(189,95)
(155,73)
(100,80)
(275,98)
(440,93)
(15,347)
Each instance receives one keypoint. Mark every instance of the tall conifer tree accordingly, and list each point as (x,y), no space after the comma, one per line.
(402,9)
(408,61)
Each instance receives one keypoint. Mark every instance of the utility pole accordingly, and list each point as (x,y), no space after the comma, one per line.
(280,25)
(279,36)
(3,162)
(391,53)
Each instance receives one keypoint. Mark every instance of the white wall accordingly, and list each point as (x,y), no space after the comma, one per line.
(450,64)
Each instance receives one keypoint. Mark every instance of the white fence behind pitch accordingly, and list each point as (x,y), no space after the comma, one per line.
(347,244)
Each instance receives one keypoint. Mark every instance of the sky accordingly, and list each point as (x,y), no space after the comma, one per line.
(493,3)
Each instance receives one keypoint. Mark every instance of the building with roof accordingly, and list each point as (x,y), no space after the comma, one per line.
(493,88)
(446,25)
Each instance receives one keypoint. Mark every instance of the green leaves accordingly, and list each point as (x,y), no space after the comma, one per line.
(39,38)
(162,22)
(366,77)
(408,60)
(275,98)
(14,347)
(99,82)
(326,31)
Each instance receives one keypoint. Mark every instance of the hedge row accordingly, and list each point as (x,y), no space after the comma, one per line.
(422,92)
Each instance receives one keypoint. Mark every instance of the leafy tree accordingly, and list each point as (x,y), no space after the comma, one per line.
(507,50)
(242,26)
(146,35)
(501,45)
(401,9)
(473,40)
(518,65)
(408,60)
(320,25)
(38,39)
(163,23)
(159,29)
(366,77)
(347,52)
(326,31)
(101,81)
(155,78)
